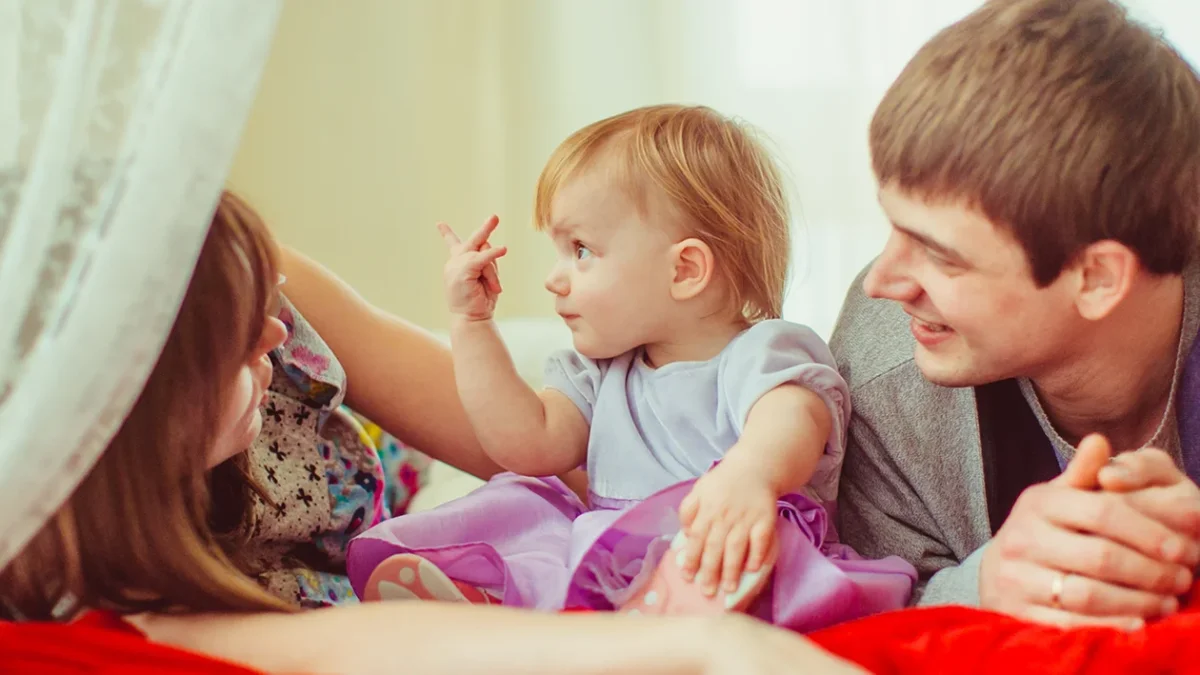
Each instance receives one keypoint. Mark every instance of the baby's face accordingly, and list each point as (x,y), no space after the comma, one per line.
(612,276)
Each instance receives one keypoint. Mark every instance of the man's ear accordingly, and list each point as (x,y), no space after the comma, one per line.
(1106,271)
(693,264)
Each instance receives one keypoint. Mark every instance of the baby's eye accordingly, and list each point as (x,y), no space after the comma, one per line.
(582,251)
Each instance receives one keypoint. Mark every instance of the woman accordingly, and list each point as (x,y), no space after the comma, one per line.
(139,539)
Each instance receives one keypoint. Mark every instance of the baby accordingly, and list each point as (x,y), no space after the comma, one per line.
(712,430)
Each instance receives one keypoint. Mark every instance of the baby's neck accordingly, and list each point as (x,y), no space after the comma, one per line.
(698,341)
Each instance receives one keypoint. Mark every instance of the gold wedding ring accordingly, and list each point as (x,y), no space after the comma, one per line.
(1056,589)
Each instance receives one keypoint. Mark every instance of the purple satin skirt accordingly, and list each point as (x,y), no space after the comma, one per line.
(533,543)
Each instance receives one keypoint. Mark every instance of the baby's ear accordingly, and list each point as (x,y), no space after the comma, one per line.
(694,268)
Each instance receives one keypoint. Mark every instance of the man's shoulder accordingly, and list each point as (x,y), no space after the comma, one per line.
(871,338)
(913,453)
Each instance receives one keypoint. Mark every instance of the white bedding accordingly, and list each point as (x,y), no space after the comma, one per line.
(529,341)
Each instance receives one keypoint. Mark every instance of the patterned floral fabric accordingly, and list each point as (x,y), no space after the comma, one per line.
(329,473)
(404,468)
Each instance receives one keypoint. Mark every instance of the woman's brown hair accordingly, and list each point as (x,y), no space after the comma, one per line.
(138,533)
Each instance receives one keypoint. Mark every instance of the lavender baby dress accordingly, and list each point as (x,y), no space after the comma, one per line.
(534,543)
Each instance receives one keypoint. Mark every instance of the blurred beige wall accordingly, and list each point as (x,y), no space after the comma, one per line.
(378,118)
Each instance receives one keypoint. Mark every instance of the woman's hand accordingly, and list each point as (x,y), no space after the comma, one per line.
(472,282)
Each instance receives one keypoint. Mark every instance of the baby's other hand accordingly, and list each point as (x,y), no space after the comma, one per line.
(472,281)
(729,518)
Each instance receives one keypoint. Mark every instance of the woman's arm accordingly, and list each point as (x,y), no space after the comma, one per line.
(431,638)
(398,375)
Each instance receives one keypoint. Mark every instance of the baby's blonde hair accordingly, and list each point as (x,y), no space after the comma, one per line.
(715,172)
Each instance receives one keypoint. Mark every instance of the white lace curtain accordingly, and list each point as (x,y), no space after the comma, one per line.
(118,122)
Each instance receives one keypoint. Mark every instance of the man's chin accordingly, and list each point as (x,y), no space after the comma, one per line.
(947,372)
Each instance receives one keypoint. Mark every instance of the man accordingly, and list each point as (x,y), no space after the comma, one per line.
(1039,162)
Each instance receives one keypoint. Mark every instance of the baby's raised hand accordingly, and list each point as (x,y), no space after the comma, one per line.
(472,282)
(729,519)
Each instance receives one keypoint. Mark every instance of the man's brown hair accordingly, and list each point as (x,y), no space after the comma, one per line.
(1063,121)
(138,534)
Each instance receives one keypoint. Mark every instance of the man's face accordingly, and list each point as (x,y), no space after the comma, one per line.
(977,315)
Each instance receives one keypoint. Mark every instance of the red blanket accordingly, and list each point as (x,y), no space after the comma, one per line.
(960,640)
(936,640)
(99,644)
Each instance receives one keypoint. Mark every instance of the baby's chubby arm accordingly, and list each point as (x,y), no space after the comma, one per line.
(730,514)
(526,432)
(522,431)
(784,437)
